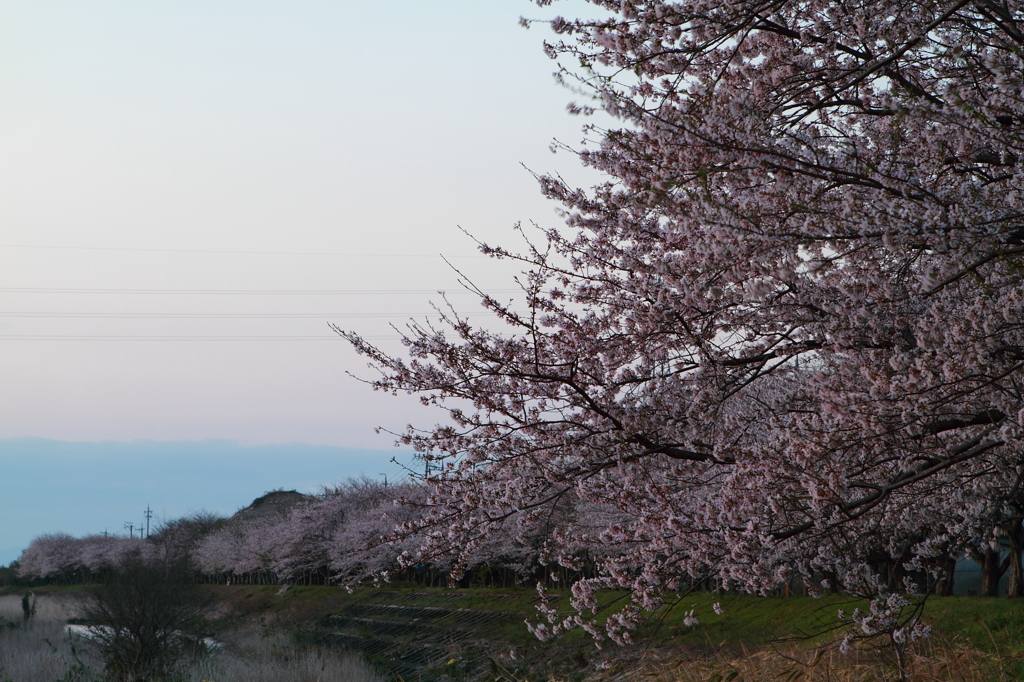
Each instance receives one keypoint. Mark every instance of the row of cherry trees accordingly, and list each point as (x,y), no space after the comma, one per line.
(338,531)
(345,535)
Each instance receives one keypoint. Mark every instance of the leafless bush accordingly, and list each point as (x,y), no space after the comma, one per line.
(148,618)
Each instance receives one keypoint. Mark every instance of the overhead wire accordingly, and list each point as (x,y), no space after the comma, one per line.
(218,316)
(245,252)
(110,337)
(214,292)
(240,292)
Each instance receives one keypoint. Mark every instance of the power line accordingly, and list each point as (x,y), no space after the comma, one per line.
(234,251)
(72,337)
(219,316)
(243,292)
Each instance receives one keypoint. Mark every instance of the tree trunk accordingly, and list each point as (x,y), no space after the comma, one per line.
(1015,588)
(991,570)
(944,585)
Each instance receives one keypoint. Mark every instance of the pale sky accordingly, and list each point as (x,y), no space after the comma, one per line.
(151,145)
(156,155)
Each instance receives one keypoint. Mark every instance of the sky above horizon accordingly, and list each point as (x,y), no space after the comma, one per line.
(191,191)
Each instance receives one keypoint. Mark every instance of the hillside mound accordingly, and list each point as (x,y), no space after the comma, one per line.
(274,502)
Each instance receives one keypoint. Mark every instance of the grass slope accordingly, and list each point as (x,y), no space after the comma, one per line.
(430,634)
(989,632)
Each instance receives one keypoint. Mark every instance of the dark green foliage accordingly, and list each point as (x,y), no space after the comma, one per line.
(148,617)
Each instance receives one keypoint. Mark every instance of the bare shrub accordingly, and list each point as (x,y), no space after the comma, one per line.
(148,618)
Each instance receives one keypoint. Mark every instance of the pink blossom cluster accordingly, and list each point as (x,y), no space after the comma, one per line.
(344,530)
(59,554)
(784,338)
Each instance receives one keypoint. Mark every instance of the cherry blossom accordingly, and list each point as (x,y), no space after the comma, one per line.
(785,337)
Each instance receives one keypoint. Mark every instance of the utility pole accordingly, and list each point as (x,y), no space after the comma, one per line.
(104,532)
(428,467)
(131,528)
(149,515)
(385,479)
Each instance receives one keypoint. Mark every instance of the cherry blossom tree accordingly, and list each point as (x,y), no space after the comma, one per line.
(365,547)
(50,555)
(330,535)
(244,546)
(64,557)
(343,535)
(784,337)
(307,534)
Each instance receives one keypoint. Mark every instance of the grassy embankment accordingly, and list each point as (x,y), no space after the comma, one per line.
(764,638)
(430,634)
(760,638)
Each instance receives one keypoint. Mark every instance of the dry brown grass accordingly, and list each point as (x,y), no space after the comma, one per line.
(250,656)
(43,651)
(49,607)
(932,660)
